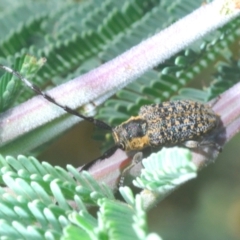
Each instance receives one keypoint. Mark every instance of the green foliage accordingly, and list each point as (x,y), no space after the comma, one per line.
(40,201)
(72,34)
(10,84)
(43,201)
(42,194)
(164,170)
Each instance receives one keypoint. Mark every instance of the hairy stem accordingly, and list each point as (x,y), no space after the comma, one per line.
(34,122)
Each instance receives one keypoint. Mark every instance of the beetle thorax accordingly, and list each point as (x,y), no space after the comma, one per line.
(132,134)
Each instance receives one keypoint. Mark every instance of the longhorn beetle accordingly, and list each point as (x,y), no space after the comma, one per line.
(169,123)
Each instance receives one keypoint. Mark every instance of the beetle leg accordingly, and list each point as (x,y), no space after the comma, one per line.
(136,159)
(197,144)
(191,144)
(211,143)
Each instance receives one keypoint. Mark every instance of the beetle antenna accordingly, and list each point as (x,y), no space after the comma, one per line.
(38,91)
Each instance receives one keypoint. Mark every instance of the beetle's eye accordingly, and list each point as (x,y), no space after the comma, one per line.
(122,146)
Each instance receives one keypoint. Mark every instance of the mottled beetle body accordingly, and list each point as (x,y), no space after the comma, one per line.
(166,124)
(169,123)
